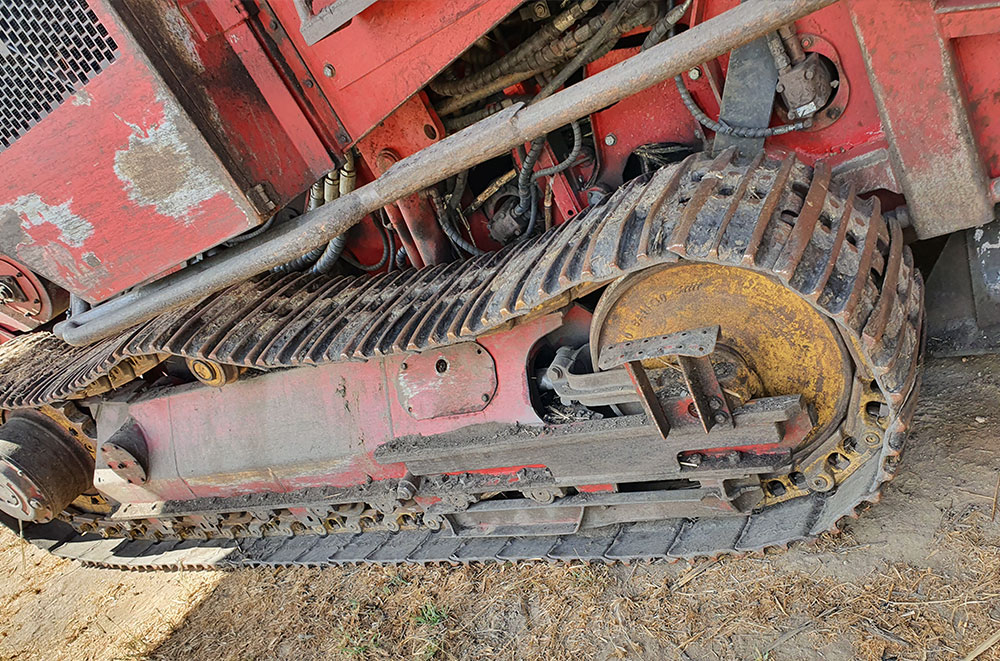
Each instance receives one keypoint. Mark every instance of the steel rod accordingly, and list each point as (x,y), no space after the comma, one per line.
(483,140)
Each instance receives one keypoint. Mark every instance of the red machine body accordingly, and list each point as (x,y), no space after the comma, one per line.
(192,122)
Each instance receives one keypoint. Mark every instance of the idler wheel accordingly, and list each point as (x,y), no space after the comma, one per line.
(42,468)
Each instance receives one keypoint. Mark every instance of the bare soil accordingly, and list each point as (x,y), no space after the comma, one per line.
(916,577)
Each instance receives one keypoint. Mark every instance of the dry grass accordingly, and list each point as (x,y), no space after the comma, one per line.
(747,607)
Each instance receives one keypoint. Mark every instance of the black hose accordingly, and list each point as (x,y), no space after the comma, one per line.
(524,181)
(569,160)
(666,24)
(386,249)
(334,249)
(726,129)
(533,218)
(401,257)
(461,180)
(444,220)
(246,236)
(660,30)
(300,263)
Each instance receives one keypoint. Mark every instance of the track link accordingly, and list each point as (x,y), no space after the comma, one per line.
(778,217)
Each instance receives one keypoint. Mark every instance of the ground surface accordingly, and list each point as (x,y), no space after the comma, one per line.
(916,577)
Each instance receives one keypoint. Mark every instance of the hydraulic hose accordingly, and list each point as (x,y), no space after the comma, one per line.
(661,30)
(386,250)
(509,63)
(444,220)
(347,179)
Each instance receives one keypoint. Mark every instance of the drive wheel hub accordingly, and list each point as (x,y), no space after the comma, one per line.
(42,468)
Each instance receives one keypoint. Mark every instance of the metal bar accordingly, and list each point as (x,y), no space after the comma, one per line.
(709,400)
(484,140)
(647,395)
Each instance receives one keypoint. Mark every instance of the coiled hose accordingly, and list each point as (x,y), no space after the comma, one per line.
(386,251)
(314,202)
(444,220)
(666,26)
(510,62)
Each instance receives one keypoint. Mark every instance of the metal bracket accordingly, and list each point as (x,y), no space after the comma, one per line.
(318,26)
(692,349)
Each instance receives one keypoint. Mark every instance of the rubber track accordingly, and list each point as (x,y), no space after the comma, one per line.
(777,217)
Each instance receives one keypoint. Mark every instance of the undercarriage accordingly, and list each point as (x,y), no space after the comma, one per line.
(333,281)
(673,448)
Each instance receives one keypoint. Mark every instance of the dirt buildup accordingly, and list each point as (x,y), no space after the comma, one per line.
(916,577)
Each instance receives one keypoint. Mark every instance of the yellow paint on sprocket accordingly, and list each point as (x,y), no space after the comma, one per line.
(789,344)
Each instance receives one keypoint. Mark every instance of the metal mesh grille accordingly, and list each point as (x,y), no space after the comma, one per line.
(48,50)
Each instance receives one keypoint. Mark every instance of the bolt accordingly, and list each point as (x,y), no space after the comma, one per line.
(486,397)
(807,42)
(780,87)
(873,439)
(610,139)
(695,459)
(541,9)
(35,505)
(694,74)
(810,74)
(833,113)
(720,417)
(403,367)
(734,457)
(715,403)
(308,82)
(273,24)
(329,71)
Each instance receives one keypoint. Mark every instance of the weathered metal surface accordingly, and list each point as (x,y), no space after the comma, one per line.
(390,50)
(302,319)
(912,69)
(465,371)
(696,342)
(748,96)
(490,137)
(878,313)
(116,184)
(622,449)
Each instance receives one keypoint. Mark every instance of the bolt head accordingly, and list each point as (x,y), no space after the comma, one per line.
(35,505)
(308,82)
(486,398)
(694,74)
(720,416)
(695,459)
(780,87)
(329,71)
(810,74)
(541,9)
(610,139)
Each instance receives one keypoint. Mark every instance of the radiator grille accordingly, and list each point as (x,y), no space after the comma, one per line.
(48,50)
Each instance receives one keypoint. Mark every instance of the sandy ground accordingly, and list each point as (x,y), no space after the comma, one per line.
(916,577)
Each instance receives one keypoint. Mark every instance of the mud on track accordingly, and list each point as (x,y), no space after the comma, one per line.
(916,577)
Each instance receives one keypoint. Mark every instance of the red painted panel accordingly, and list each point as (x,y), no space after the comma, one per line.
(115,185)
(389,51)
(979,65)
